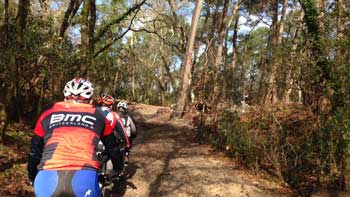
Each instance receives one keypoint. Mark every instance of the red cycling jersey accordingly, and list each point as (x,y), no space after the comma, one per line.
(71,133)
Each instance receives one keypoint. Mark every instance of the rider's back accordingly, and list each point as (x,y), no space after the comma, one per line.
(128,123)
(70,128)
(62,159)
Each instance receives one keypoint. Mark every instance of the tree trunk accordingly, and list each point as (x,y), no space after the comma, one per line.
(197,48)
(339,98)
(88,16)
(316,86)
(6,22)
(92,22)
(6,12)
(267,92)
(210,32)
(235,16)
(320,5)
(41,96)
(168,72)
(340,30)
(262,83)
(85,27)
(116,81)
(44,9)
(162,85)
(67,14)
(289,79)
(22,13)
(181,102)
(271,96)
(277,56)
(219,58)
(133,85)
(177,25)
(222,31)
(282,21)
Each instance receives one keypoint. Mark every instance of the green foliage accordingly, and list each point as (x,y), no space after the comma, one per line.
(334,146)
(236,137)
(302,155)
(146,66)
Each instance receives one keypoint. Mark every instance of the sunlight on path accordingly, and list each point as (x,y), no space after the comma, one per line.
(166,161)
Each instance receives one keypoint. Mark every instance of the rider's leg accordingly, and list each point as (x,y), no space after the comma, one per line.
(126,157)
(85,183)
(109,169)
(127,152)
(45,183)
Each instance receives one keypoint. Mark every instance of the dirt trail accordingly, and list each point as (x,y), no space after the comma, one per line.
(167,161)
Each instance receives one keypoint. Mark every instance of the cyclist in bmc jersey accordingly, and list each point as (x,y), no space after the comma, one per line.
(62,159)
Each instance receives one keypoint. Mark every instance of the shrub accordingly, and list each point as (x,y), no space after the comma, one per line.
(287,143)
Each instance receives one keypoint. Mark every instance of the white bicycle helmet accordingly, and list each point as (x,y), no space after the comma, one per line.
(122,105)
(78,89)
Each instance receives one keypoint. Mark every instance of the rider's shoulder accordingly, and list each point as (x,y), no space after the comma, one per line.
(101,111)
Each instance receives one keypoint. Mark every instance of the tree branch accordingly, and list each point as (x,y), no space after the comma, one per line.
(104,29)
(69,14)
(118,37)
(157,34)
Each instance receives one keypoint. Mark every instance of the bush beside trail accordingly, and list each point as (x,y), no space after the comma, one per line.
(304,151)
(13,161)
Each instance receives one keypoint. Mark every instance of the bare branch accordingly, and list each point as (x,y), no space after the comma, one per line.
(117,38)
(104,29)
(159,36)
(69,14)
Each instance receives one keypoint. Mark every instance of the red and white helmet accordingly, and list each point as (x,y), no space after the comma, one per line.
(123,105)
(78,89)
(105,99)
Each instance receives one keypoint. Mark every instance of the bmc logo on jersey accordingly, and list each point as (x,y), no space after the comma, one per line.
(72,118)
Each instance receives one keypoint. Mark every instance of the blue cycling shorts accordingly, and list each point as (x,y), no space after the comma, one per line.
(82,183)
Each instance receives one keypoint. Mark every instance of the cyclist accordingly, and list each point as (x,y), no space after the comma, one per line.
(122,109)
(106,102)
(62,159)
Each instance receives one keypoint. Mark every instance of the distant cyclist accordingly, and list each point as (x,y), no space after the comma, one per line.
(122,109)
(106,102)
(62,159)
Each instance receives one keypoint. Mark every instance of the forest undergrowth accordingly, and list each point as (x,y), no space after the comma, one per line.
(305,151)
(13,161)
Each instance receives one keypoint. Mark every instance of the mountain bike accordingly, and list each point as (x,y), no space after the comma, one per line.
(107,178)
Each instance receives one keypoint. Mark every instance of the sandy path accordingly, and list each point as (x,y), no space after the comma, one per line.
(167,161)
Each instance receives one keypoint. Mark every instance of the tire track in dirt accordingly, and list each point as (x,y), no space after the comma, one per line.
(167,161)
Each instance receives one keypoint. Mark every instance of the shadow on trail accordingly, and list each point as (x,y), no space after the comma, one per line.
(171,161)
(156,184)
(181,178)
(151,132)
(123,185)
